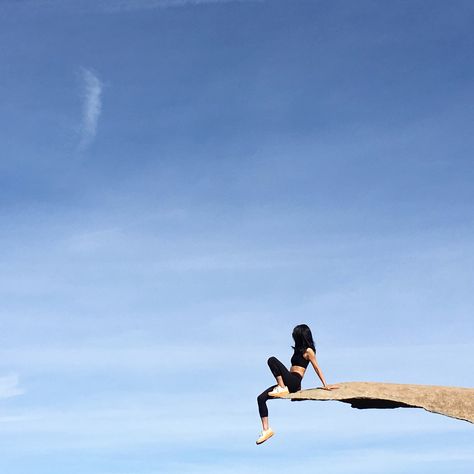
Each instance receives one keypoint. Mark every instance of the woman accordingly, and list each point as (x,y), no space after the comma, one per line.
(290,381)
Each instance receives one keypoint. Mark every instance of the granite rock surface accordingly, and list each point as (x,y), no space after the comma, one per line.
(455,402)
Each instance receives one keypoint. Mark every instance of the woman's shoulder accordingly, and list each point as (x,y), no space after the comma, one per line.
(309,352)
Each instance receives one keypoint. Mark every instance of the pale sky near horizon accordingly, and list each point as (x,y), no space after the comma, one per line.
(183,181)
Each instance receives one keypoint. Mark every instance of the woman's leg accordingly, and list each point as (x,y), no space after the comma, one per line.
(283,376)
(262,407)
(275,367)
(278,369)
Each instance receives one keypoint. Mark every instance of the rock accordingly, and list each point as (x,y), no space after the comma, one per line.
(455,402)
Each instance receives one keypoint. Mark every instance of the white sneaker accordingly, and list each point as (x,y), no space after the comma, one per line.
(265,435)
(279,391)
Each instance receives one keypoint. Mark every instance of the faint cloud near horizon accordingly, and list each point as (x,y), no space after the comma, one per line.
(175,3)
(119,5)
(9,386)
(91,107)
(150,4)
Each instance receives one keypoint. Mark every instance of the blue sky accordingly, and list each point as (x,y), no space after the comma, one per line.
(182,182)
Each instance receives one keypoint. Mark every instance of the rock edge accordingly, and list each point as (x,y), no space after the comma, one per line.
(455,402)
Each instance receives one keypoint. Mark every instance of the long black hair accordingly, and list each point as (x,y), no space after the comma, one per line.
(303,338)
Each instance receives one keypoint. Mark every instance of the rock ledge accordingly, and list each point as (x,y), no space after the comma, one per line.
(455,402)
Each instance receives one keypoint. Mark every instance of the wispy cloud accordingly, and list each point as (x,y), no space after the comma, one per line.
(151,4)
(9,386)
(120,5)
(107,421)
(92,107)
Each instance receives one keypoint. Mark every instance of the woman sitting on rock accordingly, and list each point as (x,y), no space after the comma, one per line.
(289,381)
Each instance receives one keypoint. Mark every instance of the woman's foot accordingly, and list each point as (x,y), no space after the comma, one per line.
(265,435)
(279,391)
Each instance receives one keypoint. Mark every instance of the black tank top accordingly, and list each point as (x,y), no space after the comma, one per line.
(299,360)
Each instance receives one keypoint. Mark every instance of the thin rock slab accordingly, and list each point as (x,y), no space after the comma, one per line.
(455,402)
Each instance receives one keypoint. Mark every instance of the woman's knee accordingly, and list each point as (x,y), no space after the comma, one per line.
(271,361)
(262,398)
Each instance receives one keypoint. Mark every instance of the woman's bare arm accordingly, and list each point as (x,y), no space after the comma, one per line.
(311,356)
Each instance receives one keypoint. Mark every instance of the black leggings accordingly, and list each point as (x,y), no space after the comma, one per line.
(291,379)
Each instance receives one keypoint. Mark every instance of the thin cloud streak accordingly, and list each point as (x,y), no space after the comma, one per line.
(151,4)
(119,5)
(92,107)
(111,420)
(9,386)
